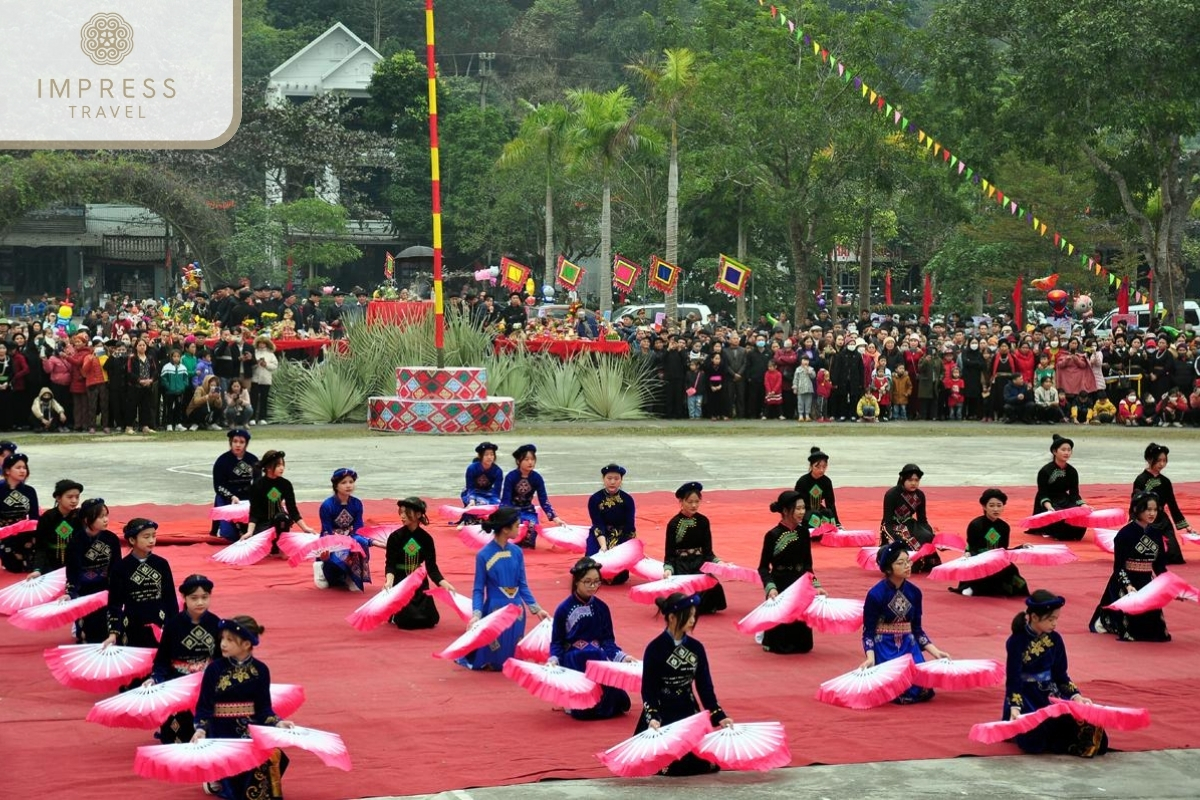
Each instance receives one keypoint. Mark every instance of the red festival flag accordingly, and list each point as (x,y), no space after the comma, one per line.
(927,296)
(1123,298)
(1018,298)
(887,287)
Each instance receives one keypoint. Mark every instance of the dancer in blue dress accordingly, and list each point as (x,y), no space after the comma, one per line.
(583,632)
(521,487)
(484,479)
(612,516)
(500,581)
(892,618)
(342,513)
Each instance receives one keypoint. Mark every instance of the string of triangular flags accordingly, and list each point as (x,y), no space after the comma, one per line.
(880,104)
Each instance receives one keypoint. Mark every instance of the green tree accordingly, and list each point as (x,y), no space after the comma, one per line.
(314,233)
(257,243)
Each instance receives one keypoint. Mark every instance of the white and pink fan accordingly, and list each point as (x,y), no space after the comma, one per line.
(833,614)
(1042,555)
(556,685)
(484,632)
(868,687)
(924,551)
(1106,518)
(618,559)
(1105,539)
(785,607)
(233,512)
(649,569)
(48,616)
(685,584)
(294,543)
(567,537)
(1155,595)
(378,534)
(865,557)
(1074,515)
(326,746)
(1118,718)
(649,751)
(731,572)
(33,591)
(333,543)
(624,675)
(96,668)
(147,707)
(473,536)
(535,645)
(747,746)
(375,612)
(1003,730)
(949,541)
(846,538)
(286,698)
(458,603)
(971,568)
(199,762)
(24,526)
(456,513)
(1190,538)
(965,673)
(245,552)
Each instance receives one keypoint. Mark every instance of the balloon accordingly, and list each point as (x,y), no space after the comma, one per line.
(530,286)
(548,291)
(494,272)
(483,274)
(821,302)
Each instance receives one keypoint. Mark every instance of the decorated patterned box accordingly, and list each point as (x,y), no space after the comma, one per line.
(398,415)
(453,383)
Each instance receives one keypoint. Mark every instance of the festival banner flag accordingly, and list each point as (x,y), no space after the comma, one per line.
(1018,298)
(887,287)
(663,275)
(732,276)
(625,274)
(927,297)
(389,266)
(513,275)
(569,275)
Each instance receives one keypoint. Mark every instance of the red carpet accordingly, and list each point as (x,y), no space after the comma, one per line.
(415,724)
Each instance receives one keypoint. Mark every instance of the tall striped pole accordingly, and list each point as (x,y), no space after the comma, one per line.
(439,318)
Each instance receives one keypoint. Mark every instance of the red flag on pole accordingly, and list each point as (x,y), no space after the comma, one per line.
(1018,304)
(887,287)
(1123,297)
(927,296)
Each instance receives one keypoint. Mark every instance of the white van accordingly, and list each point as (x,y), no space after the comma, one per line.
(652,311)
(1191,316)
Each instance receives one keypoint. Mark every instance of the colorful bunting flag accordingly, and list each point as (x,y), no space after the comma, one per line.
(625,274)
(663,275)
(513,275)
(731,276)
(569,275)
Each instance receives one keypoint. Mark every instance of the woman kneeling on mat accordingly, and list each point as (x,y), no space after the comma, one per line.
(689,544)
(905,517)
(786,556)
(989,532)
(1057,489)
(1139,554)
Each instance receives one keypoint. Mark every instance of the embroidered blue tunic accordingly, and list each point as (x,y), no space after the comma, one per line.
(582,631)
(343,565)
(483,485)
(519,492)
(612,516)
(232,477)
(499,581)
(892,627)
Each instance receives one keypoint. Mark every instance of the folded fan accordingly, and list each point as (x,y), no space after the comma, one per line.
(33,591)
(619,559)
(870,686)
(1105,539)
(326,746)
(951,541)
(970,568)
(965,673)
(556,685)
(456,513)
(286,698)
(535,645)
(484,632)
(747,746)
(649,751)
(1042,555)
(841,538)
(624,675)
(1003,730)
(199,762)
(96,668)
(1118,718)
(24,526)
(1106,518)
(649,569)
(458,603)
(245,552)
(384,604)
(785,607)
(731,572)
(1156,594)
(833,614)
(686,584)
(234,512)
(1075,515)
(567,537)
(147,707)
(48,616)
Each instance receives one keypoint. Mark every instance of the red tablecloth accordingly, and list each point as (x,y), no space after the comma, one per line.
(563,348)
(311,347)
(396,312)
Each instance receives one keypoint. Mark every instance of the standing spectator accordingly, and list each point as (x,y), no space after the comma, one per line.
(9,408)
(787,359)
(929,382)
(238,410)
(954,394)
(265,364)
(143,375)
(974,369)
(735,359)
(694,389)
(95,379)
(773,392)
(901,391)
(75,356)
(227,356)
(1161,368)
(804,386)
(824,388)
(175,382)
(674,377)
(116,371)
(847,375)
(756,370)
(58,371)
(1003,370)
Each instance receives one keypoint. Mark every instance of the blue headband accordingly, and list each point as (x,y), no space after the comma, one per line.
(342,472)
(1045,606)
(888,554)
(682,605)
(236,628)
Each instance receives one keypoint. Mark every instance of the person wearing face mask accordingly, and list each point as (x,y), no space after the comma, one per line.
(846,372)
(973,366)
(756,368)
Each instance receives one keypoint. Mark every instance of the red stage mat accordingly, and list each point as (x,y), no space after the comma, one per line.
(415,724)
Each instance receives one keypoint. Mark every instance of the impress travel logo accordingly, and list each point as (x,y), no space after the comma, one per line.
(113,74)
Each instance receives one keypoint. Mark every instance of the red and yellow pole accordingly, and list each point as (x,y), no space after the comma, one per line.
(439,319)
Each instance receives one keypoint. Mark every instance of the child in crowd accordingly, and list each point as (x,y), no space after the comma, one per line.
(1081,408)
(773,385)
(1103,411)
(1064,406)
(954,394)
(1129,412)
(821,400)
(803,384)
(868,406)
(1194,406)
(881,382)
(901,391)
(141,591)
(1045,396)
(174,382)
(1149,416)
(1044,369)
(694,389)
(1172,409)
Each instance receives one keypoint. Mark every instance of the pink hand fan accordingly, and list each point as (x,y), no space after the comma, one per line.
(286,698)
(649,569)
(522,532)
(822,529)
(378,534)
(1105,538)
(48,616)
(201,762)
(293,544)
(333,543)
(460,604)
(96,668)
(855,538)
(787,606)
(866,558)
(1042,555)
(965,673)
(1106,518)
(24,526)
(1156,594)
(535,646)
(1190,538)
(1118,718)
(326,746)
(567,537)
(234,512)
(624,675)
(868,687)
(1075,515)
(731,572)
(833,614)
(484,632)
(33,591)
(618,559)
(924,551)
(147,707)
(747,746)
(951,541)
(970,568)
(1003,730)
(556,685)
(456,513)
(686,584)
(245,552)
(473,536)
(651,750)
(375,612)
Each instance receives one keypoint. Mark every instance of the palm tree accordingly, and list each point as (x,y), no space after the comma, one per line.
(541,140)
(670,82)
(606,128)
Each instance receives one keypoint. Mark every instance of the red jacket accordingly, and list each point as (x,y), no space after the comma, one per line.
(78,384)
(20,370)
(93,370)
(773,384)
(1024,364)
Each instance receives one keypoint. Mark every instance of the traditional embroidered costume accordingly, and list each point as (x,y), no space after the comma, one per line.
(786,555)
(483,486)
(983,535)
(141,593)
(186,647)
(343,567)
(17,502)
(1139,554)
(905,520)
(499,581)
(91,561)
(892,627)
(407,550)
(612,517)
(233,477)
(1060,487)
(817,496)
(582,631)
(519,492)
(688,545)
(50,540)
(1168,511)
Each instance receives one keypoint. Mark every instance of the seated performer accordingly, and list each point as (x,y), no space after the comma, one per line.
(689,545)
(905,517)
(612,516)
(786,555)
(484,478)
(408,547)
(816,492)
(189,641)
(989,532)
(1139,554)
(1057,489)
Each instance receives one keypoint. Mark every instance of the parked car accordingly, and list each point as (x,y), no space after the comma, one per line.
(652,311)
(1191,316)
